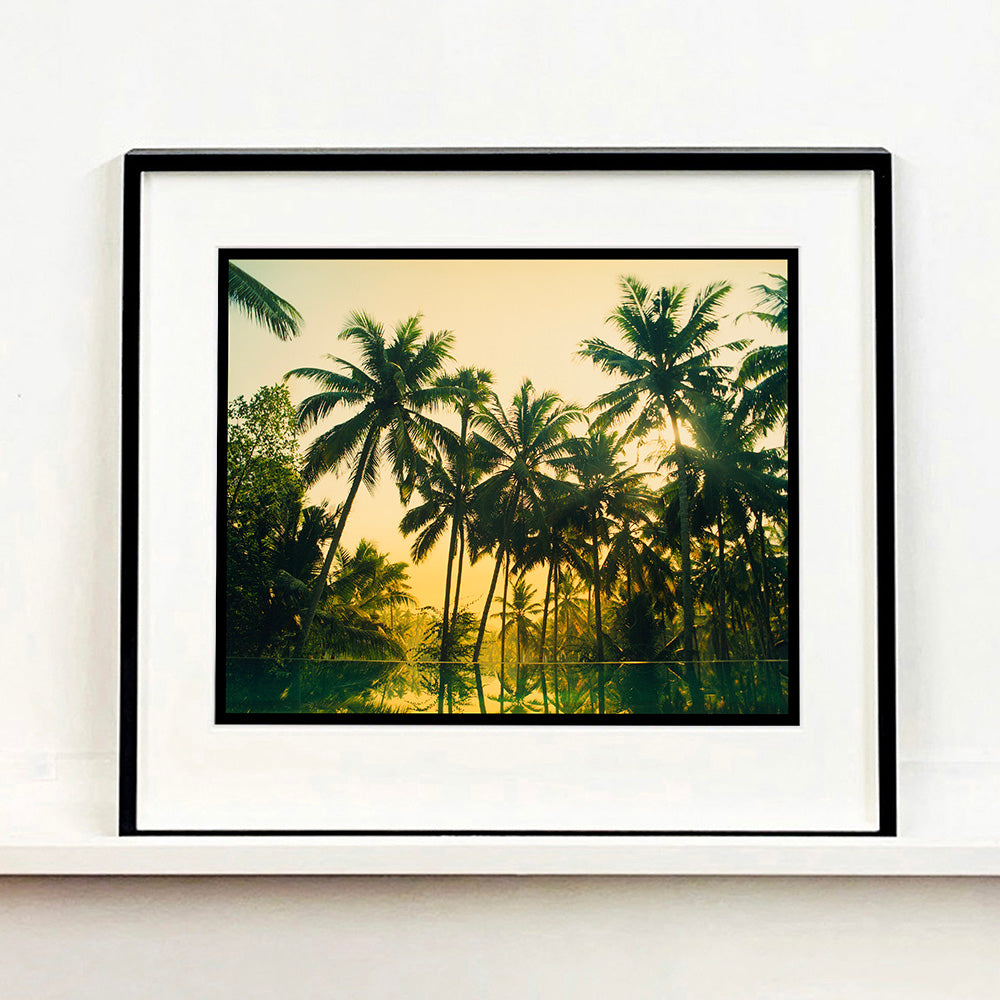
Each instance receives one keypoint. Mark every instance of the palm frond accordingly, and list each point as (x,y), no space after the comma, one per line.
(257,301)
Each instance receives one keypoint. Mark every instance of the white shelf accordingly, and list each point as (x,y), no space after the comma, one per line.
(59,818)
(293,856)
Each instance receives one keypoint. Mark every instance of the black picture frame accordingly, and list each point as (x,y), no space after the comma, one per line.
(877,161)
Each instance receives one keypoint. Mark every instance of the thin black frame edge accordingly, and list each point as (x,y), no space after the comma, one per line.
(512,158)
(129,498)
(876,159)
(885,500)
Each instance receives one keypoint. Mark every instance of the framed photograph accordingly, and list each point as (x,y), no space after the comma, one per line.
(508,492)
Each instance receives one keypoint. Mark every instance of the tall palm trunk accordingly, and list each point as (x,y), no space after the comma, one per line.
(458,577)
(503,627)
(599,633)
(445,623)
(541,641)
(687,595)
(501,551)
(338,532)
(482,629)
(517,652)
(555,633)
(724,648)
(457,518)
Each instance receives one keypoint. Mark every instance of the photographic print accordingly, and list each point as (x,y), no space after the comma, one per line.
(518,487)
(554,498)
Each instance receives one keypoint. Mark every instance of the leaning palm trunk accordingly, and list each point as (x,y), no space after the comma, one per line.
(482,630)
(335,542)
(458,577)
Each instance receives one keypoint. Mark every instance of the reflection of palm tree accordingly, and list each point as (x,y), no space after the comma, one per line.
(394,387)
(522,441)
(258,302)
(667,367)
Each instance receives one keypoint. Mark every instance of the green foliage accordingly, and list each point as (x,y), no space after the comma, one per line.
(274,549)
(393,386)
(355,613)
(764,372)
(258,302)
(392,389)
(264,514)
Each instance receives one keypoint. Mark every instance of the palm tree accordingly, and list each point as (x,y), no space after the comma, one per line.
(609,492)
(442,496)
(732,478)
(764,372)
(258,302)
(560,550)
(446,490)
(372,583)
(394,387)
(471,388)
(544,545)
(523,441)
(571,608)
(365,587)
(290,536)
(667,367)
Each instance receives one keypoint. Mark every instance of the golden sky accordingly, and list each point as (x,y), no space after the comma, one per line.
(515,317)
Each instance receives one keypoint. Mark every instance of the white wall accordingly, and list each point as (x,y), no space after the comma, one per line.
(82,83)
